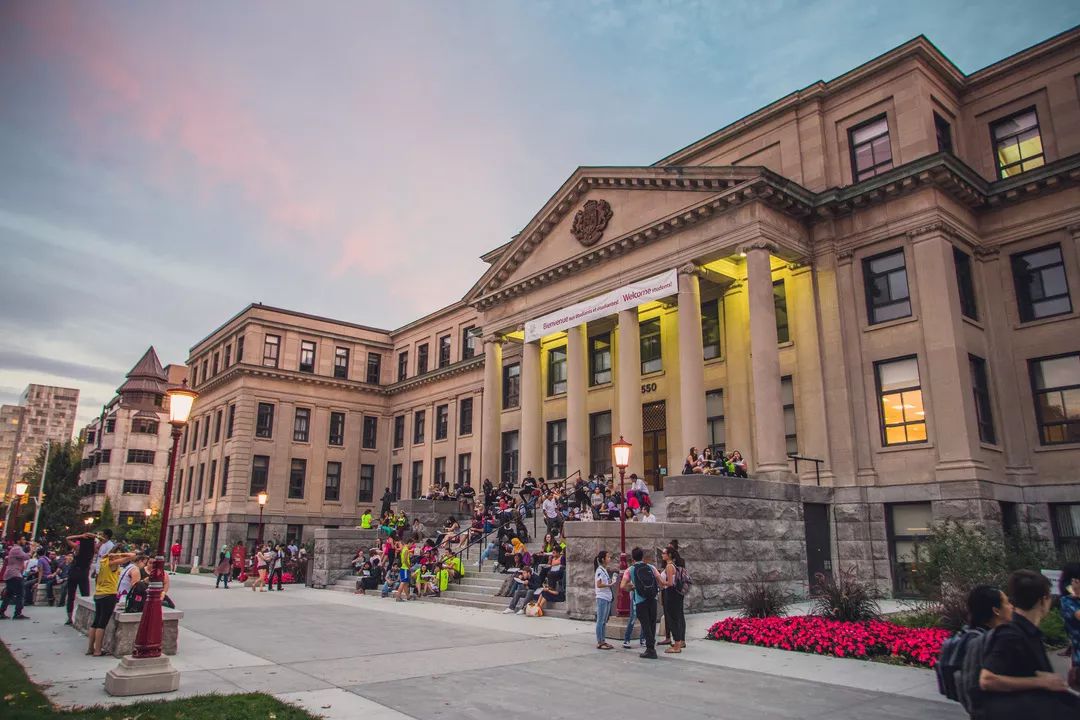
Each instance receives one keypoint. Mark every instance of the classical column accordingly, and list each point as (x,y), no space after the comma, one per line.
(532,421)
(769,444)
(952,404)
(691,362)
(628,384)
(491,446)
(802,305)
(577,388)
(737,416)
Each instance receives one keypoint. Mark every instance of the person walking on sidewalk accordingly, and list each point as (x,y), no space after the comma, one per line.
(645,581)
(603,582)
(14,592)
(224,567)
(277,567)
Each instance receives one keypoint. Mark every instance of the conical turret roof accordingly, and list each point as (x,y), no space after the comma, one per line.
(147,375)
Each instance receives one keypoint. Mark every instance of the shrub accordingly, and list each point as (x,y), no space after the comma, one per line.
(761,596)
(923,614)
(844,597)
(1053,629)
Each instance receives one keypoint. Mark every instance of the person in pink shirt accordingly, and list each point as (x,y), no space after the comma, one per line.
(14,565)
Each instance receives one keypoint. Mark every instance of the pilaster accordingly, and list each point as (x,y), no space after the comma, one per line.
(531,410)
(577,417)
(628,388)
(691,359)
(492,408)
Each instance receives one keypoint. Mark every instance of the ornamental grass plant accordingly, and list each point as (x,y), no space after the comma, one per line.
(761,595)
(842,596)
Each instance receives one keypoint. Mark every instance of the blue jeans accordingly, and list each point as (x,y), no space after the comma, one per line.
(603,612)
(630,625)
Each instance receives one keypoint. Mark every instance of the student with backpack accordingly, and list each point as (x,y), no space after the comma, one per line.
(988,608)
(645,582)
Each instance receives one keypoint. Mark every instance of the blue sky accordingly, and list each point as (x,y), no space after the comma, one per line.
(166,164)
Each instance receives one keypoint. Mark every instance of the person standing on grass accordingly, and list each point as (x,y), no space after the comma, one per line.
(105,598)
(603,581)
(14,565)
(79,574)
(645,582)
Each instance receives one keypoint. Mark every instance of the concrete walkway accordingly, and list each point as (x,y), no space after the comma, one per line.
(345,656)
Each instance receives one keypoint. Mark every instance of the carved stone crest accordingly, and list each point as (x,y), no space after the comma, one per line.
(590,221)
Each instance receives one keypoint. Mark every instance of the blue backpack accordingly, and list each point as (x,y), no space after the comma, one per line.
(951,661)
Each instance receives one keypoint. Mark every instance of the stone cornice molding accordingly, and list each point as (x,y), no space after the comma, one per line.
(986,254)
(1074,230)
(937,227)
(459,368)
(758,244)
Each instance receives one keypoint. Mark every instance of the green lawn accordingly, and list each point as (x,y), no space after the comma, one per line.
(22,700)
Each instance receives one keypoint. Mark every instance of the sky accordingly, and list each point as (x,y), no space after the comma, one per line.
(162,165)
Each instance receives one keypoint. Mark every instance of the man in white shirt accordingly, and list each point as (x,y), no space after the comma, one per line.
(647,516)
(551,513)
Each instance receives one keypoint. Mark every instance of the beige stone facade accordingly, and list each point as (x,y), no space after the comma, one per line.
(126,449)
(877,274)
(45,413)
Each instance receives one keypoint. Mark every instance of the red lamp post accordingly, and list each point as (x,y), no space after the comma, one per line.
(621,450)
(148,637)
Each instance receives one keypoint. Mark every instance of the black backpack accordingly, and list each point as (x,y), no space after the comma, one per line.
(951,660)
(967,680)
(644,581)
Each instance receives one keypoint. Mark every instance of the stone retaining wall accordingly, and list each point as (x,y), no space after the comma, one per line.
(120,633)
(334,550)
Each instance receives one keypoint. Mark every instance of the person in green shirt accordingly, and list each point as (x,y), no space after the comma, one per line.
(365,520)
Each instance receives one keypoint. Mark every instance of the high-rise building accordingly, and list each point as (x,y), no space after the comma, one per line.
(126,451)
(45,413)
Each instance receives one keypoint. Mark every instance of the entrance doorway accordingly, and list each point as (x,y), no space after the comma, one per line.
(818,548)
(654,432)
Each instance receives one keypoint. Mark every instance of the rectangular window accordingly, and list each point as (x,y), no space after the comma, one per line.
(293,533)
(202,476)
(366,492)
(213,478)
(297,475)
(871,153)
(260,474)
(1065,525)
(307,356)
(470,342)
(444,351)
(887,296)
(110,425)
(301,425)
(240,348)
(421,358)
(402,365)
(965,283)
(417,479)
(907,525)
(217,426)
(374,368)
(205,431)
(395,481)
(264,421)
(943,132)
(510,455)
(332,491)
(464,468)
(511,386)
(229,421)
(1055,384)
(371,432)
(228,355)
(779,293)
(600,359)
(337,429)
(556,371)
(418,426)
(179,484)
(710,328)
(141,457)
(787,396)
(984,412)
(143,425)
(465,416)
(440,471)
(442,421)
(903,419)
(271,350)
(556,449)
(136,487)
(399,431)
(1017,143)
(205,370)
(714,420)
(190,484)
(224,476)
(1042,289)
(651,351)
(600,443)
(341,363)
(195,374)
(217,359)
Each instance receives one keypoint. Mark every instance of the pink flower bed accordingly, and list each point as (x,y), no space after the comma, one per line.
(876,638)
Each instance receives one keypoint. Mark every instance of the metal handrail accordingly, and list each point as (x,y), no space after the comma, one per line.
(817,465)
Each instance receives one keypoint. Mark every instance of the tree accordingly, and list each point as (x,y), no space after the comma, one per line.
(147,532)
(60,505)
(106,519)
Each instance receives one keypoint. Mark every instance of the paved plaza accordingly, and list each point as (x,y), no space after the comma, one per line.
(344,656)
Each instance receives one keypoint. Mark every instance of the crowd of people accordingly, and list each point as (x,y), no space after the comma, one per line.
(708,462)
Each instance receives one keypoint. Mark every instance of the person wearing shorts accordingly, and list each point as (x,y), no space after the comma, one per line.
(108,582)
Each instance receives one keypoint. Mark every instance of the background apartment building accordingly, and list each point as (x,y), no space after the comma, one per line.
(126,449)
(45,413)
(877,272)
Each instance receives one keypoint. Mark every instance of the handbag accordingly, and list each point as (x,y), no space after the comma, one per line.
(534,610)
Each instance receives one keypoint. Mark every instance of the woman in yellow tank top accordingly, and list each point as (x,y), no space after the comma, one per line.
(108,579)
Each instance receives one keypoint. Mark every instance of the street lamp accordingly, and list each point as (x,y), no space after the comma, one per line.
(11,525)
(621,450)
(263,497)
(21,487)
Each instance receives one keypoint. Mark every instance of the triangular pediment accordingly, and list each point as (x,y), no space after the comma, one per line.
(629,205)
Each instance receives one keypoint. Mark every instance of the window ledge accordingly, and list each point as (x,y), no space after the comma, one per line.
(1057,447)
(719,360)
(991,446)
(653,374)
(465,435)
(602,386)
(891,323)
(1046,320)
(788,344)
(973,322)
(439,440)
(906,448)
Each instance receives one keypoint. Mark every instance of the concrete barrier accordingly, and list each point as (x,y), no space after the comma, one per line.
(122,628)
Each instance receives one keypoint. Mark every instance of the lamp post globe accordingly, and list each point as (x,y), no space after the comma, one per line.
(621,452)
(263,497)
(21,487)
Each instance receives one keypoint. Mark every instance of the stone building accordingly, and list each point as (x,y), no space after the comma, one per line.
(45,413)
(126,449)
(874,274)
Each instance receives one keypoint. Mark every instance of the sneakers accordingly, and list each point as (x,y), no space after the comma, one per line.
(626,645)
(648,655)
(520,612)
(20,616)
(508,611)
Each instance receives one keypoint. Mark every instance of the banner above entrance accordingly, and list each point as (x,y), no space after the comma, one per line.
(624,298)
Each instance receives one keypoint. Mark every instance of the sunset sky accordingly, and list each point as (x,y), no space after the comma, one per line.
(165,164)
